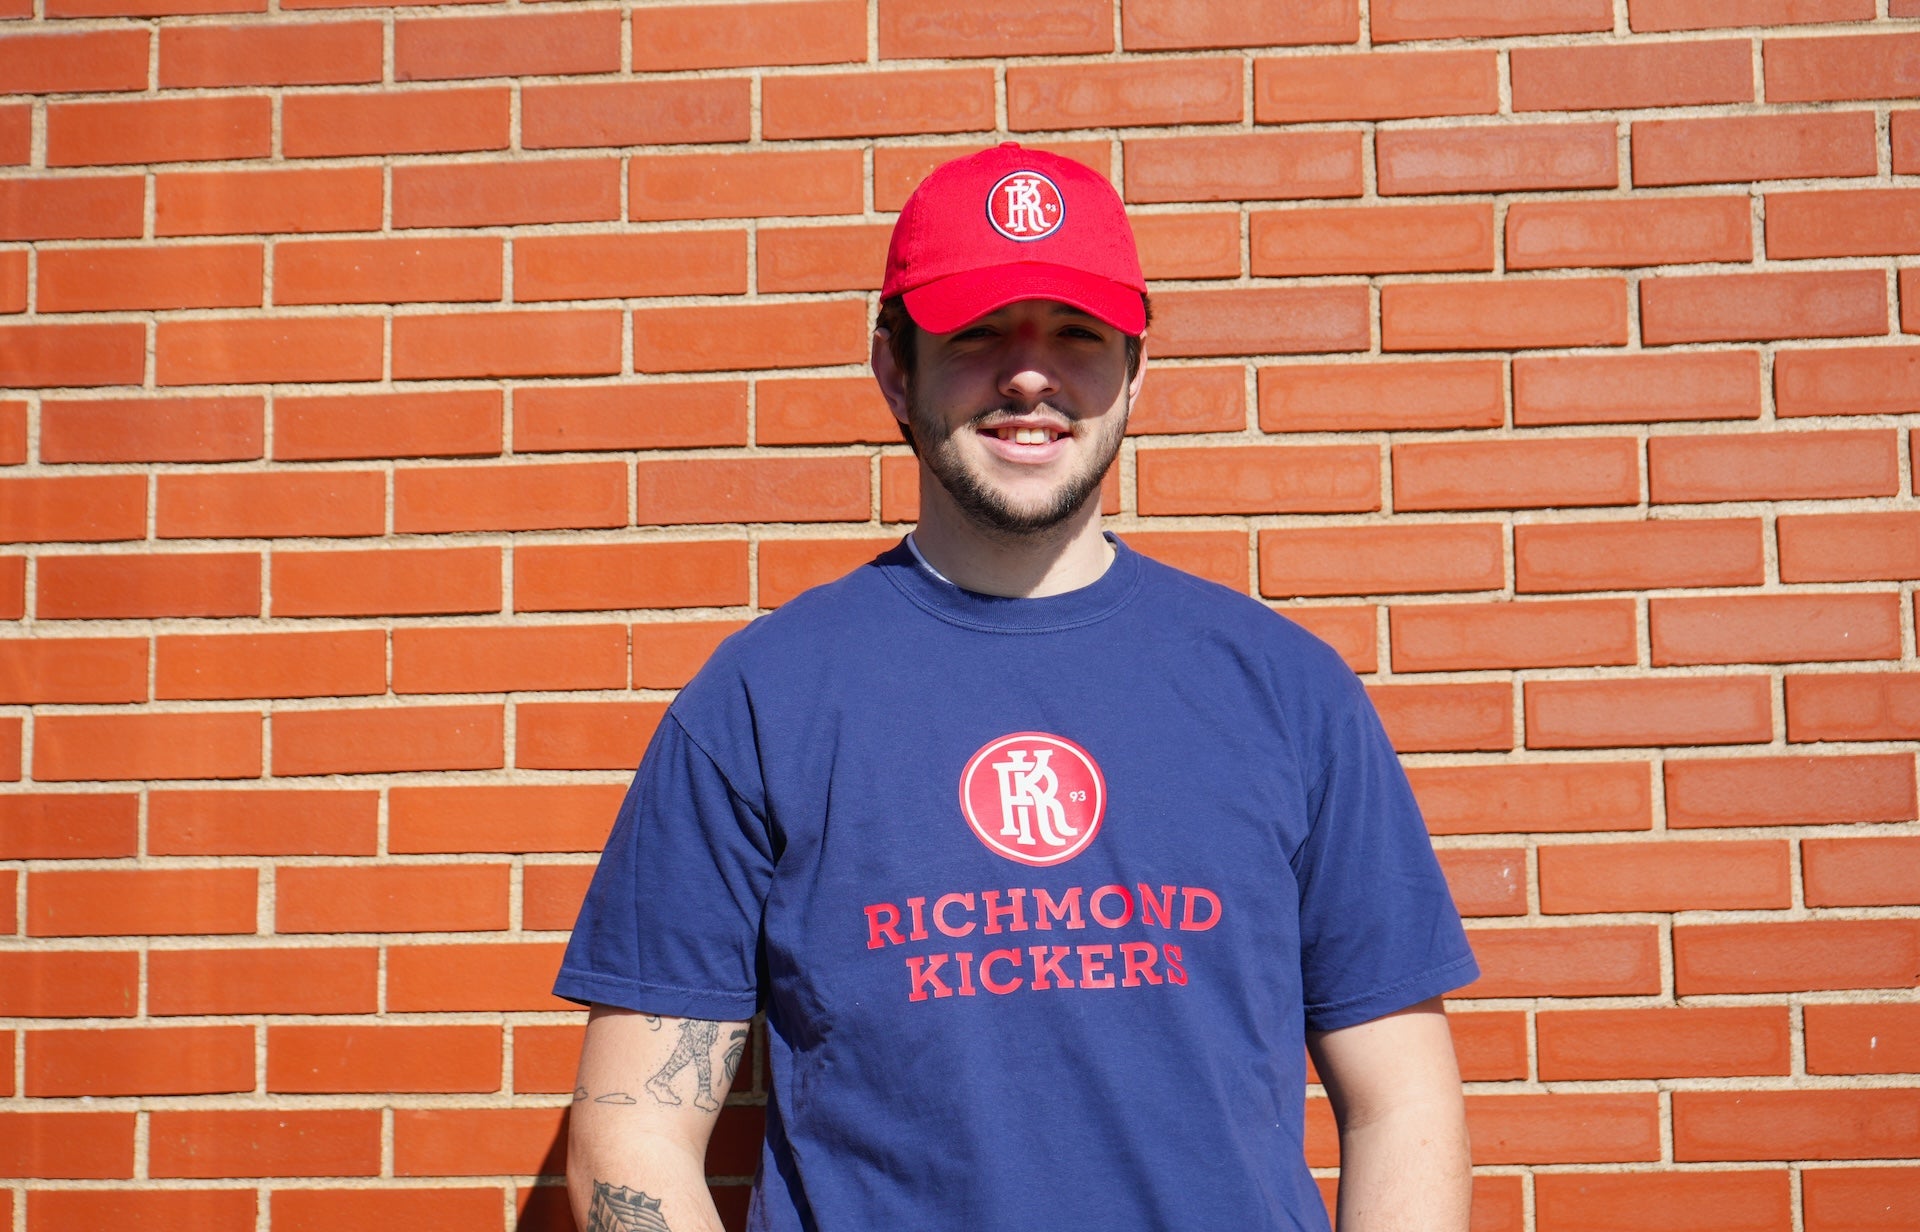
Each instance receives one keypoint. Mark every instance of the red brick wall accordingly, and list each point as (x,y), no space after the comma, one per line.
(401,402)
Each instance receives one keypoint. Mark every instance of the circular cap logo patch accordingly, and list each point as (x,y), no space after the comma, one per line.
(1033,797)
(1025,205)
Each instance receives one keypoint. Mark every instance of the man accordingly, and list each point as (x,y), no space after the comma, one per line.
(1043,860)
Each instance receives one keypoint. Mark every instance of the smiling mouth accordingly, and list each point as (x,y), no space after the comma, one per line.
(1023,434)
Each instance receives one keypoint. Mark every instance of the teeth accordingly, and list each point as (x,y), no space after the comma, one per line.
(1026,436)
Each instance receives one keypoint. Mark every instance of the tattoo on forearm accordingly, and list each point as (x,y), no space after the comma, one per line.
(695,1046)
(736,1046)
(619,1209)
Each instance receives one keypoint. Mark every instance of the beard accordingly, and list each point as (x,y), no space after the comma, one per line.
(991,508)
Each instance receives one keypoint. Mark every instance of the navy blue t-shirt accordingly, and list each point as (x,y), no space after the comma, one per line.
(1039,897)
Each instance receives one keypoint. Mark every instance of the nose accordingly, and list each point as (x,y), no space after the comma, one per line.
(1026,375)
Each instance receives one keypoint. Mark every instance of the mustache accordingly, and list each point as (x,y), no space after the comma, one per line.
(993,416)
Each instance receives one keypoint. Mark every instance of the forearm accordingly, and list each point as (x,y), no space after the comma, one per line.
(612,1166)
(1407,1171)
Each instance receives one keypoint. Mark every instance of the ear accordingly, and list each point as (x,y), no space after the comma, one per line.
(1139,374)
(892,381)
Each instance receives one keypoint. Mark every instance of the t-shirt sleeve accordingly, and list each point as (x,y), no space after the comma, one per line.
(671,921)
(1378,927)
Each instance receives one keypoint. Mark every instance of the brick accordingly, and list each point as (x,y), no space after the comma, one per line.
(1590,960)
(217,429)
(789,566)
(367,1210)
(514,44)
(1840,547)
(1789,791)
(195,276)
(1862,872)
(388,739)
(583,735)
(204,1210)
(865,104)
(522,659)
(1664,876)
(70,984)
(208,745)
(1856,706)
(1259,479)
(164,130)
(1491,1045)
(489,977)
(628,113)
(1487,881)
(1570,1128)
(1861,223)
(270,505)
(302,980)
(1599,234)
(1207,398)
(1587,714)
(343,663)
(628,415)
(898,170)
(84,207)
(430,121)
(1754,307)
(1707,1042)
(388,271)
(1516,474)
(1375,86)
(1396,20)
(1863,1039)
(924,29)
(666,656)
(73,669)
(757,184)
(1637,388)
(77,509)
(1606,78)
(1480,636)
(1496,158)
(1904,134)
(16,134)
(255,202)
(1689,1201)
(748,336)
(72,355)
(1638,555)
(622,576)
(13,587)
(1164,25)
(1775,629)
(1218,556)
(90,825)
(494,344)
(551,895)
(751,490)
(523,496)
(550,190)
(1372,240)
(1122,95)
(274,1142)
(269,350)
(544,1058)
(557,267)
(835,258)
(1244,166)
(1732,149)
(309,53)
(1262,321)
(449,423)
(1446,718)
(1795,956)
(140,902)
(393,899)
(1542,798)
(87,62)
(515,819)
(1362,560)
(1836,381)
(1470,316)
(1862,1199)
(387,582)
(1384,396)
(139,1061)
(269,822)
(67,1145)
(1858,66)
(1658,16)
(821,411)
(1794,1125)
(136,587)
(479,1141)
(693,36)
(1188,245)
(13,284)
(1826,465)
(364,1058)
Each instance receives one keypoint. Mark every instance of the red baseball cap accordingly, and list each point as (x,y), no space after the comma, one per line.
(1009,224)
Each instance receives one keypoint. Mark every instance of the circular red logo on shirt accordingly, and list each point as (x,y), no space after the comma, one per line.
(1033,797)
(1025,205)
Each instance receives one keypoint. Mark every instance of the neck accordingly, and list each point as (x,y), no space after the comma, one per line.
(1027,565)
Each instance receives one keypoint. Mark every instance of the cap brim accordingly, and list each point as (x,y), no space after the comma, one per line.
(946,304)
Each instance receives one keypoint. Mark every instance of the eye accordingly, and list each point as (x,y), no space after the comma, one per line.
(1082,332)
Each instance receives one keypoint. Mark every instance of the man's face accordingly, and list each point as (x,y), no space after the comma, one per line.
(1020,413)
